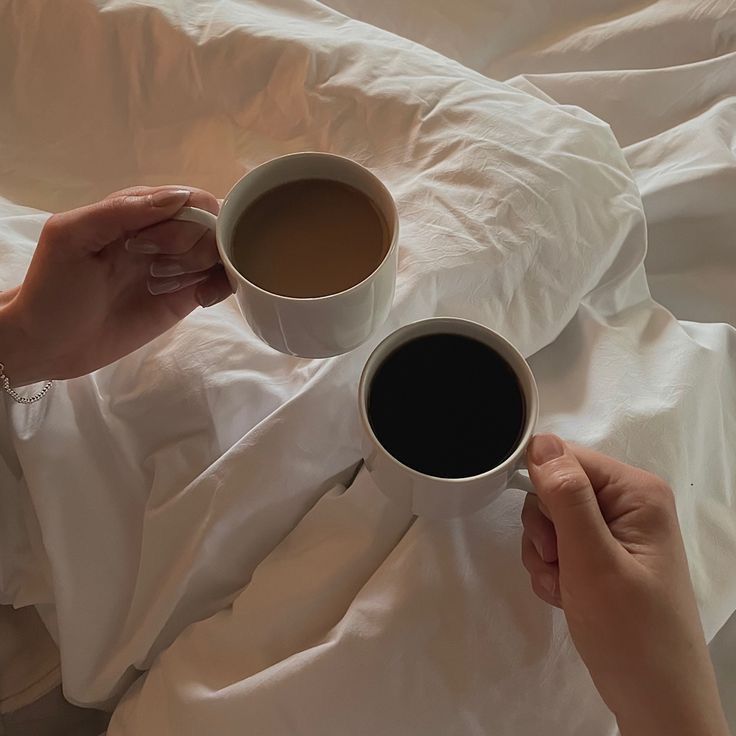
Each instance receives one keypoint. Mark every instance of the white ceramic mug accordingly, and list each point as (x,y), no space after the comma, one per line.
(432,496)
(316,327)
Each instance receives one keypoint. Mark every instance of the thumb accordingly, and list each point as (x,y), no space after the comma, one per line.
(583,537)
(91,228)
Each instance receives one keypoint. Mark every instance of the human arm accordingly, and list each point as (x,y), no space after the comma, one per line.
(602,542)
(106,279)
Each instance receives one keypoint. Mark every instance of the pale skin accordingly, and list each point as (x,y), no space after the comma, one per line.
(601,540)
(106,279)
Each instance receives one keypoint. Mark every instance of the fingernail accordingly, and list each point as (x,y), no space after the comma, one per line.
(170,197)
(166,286)
(163,286)
(545,447)
(166,268)
(141,246)
(548,582)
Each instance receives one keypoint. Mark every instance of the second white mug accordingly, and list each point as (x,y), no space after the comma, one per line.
(445,497)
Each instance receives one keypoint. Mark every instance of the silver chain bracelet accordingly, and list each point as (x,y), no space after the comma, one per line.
(5,383)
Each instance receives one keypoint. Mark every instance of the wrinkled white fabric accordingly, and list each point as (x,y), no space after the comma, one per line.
(208,479)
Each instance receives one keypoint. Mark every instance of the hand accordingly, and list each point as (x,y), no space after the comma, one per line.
(107,278)
(603,543)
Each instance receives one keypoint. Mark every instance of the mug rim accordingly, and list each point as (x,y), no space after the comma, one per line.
(400,337)
(393,224)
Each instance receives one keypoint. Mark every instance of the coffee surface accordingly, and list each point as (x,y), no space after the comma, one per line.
(310,238)
(446,405)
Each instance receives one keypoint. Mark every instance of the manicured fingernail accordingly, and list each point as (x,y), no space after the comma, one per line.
(166,286)
(166,268)
(134,245)
(170,197)
(163,286)
(548,582)
(545,447)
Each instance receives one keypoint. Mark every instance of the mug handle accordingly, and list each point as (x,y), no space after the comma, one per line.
(196,215)
(520,479)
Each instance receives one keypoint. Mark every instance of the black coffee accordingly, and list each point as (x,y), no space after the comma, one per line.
(446,405)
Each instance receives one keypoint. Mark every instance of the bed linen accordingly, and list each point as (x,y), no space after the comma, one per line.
(198,511)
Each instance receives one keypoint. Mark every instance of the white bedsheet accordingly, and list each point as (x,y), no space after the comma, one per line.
(207,476)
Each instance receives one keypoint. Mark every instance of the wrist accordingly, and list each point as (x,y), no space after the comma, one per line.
(22,362)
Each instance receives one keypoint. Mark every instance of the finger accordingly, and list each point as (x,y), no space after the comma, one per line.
(176,283)
(604,470)
(623,488)
(197,197)
(583,537)
(201,257)
(91,228)
(174,237)
(539,529)
(543,509)
(214,289)
(545,577)
(170,238)
(7,296)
